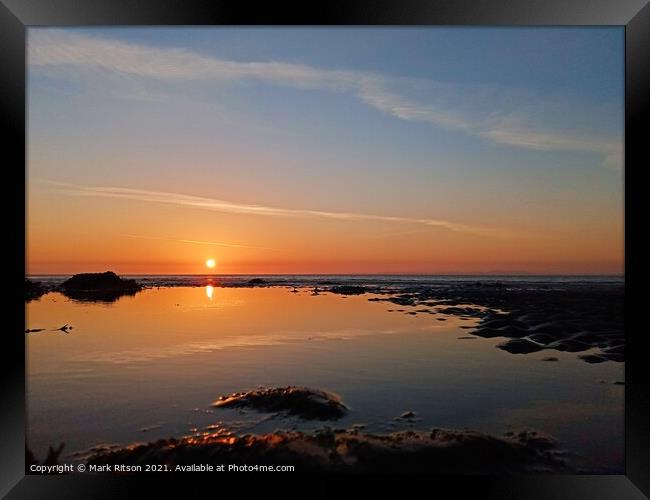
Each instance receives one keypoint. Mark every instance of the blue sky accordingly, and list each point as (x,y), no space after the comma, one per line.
(588,59)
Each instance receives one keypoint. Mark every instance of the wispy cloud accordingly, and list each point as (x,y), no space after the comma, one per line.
(230,207)
(195,242)
(409,99)
(519,136)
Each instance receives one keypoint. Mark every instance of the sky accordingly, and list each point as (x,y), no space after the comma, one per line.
(348,150)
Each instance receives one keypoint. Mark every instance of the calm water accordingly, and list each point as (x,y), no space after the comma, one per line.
(148,367)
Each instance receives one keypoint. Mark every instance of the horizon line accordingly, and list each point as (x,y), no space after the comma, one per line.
(486,273)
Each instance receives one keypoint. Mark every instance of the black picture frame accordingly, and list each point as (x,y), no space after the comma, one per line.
(634,15)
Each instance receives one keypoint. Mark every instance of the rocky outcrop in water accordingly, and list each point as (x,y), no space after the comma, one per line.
(102,287)
(309,404)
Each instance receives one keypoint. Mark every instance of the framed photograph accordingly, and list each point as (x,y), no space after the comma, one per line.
(371,239)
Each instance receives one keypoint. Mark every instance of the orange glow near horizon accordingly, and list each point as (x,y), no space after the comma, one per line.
(67,235)
(74,235)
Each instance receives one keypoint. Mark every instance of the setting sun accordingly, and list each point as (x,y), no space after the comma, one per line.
(210,263)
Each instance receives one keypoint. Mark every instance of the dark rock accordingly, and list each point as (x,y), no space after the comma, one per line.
(570,345)
(552,329)
(460,311)
(613,356)
(542,338)
(496,323)
(256,281)
(592,358)
(550,358)
(309,404)
(348,289)
(402,300)
(441,451)
(488,333)
(513,331)
(102,287)
(587,338)
(520,346)
(617,349)
(97,281)
(33,290)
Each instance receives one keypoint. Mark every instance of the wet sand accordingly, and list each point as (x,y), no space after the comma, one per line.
(571,317)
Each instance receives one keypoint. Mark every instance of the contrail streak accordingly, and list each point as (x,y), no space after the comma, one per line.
(195,242)
(231,207)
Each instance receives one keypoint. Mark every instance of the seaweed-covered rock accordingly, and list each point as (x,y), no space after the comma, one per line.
(441,451)
(309,404)
(105,287)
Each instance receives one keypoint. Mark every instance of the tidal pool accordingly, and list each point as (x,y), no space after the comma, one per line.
(149,366)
